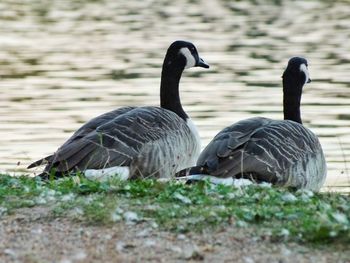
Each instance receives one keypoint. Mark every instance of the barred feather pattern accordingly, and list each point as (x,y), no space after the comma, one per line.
(282,152)
(151,141)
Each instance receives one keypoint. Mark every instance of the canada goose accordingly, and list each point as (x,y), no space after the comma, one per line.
(281,152)
(136,141)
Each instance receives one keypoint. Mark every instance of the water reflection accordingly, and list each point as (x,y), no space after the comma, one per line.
(64,62)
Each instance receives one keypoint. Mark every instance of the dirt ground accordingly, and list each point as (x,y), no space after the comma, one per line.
(31,235)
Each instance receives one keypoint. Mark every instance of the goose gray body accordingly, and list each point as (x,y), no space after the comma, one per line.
(281,152)
(141,138)
(147,141)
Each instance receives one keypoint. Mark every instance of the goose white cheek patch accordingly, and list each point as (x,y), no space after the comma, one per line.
(190,60)
(303,68)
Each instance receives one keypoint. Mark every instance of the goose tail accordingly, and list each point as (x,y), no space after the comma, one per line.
(40,162)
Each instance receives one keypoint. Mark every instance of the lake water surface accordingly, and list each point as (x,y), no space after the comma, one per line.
(64,62)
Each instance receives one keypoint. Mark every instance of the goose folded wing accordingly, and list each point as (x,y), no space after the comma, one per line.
(266,153)
(115,143)
(71,146)
(228,141)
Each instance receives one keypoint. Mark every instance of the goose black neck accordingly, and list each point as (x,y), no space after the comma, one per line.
(291,100)
(169,88)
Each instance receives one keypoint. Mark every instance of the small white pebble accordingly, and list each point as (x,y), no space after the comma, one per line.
(89,199)
(182,198)
(340,217)
(108,237)
(285,232)
(51,192)
(305,194)
(333,234)
(154,224)
(119,246)
(3,211)
(248,260)
(231,196)
(119,210)
(78,211)
(36,231)
(221,207)
(116,217)
(189,251)
(285,251)
(143,233)
(10,252)
(152,207)
(50,195)
(68,197)
(176,249)
(130,217)
(181,237)
(150,243)
(241,223)
(80,255)
(289,198)
(40,200)
(127,187)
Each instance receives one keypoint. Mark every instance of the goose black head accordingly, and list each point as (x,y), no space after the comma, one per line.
(184,54)
(297,70)
(294,77)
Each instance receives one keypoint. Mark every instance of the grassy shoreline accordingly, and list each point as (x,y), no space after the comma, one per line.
(280,214)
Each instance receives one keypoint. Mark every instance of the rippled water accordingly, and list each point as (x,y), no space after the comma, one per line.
(64,62)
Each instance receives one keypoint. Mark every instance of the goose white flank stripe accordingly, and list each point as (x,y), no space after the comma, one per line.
(120,172)
(135,142)
(217,180)
(280,152)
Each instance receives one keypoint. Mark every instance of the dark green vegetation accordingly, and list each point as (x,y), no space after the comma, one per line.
(281,214)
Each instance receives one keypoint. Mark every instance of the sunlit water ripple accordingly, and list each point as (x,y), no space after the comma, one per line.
(64,62)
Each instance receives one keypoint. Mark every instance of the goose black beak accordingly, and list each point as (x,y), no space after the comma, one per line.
(201,63)
(308,81)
